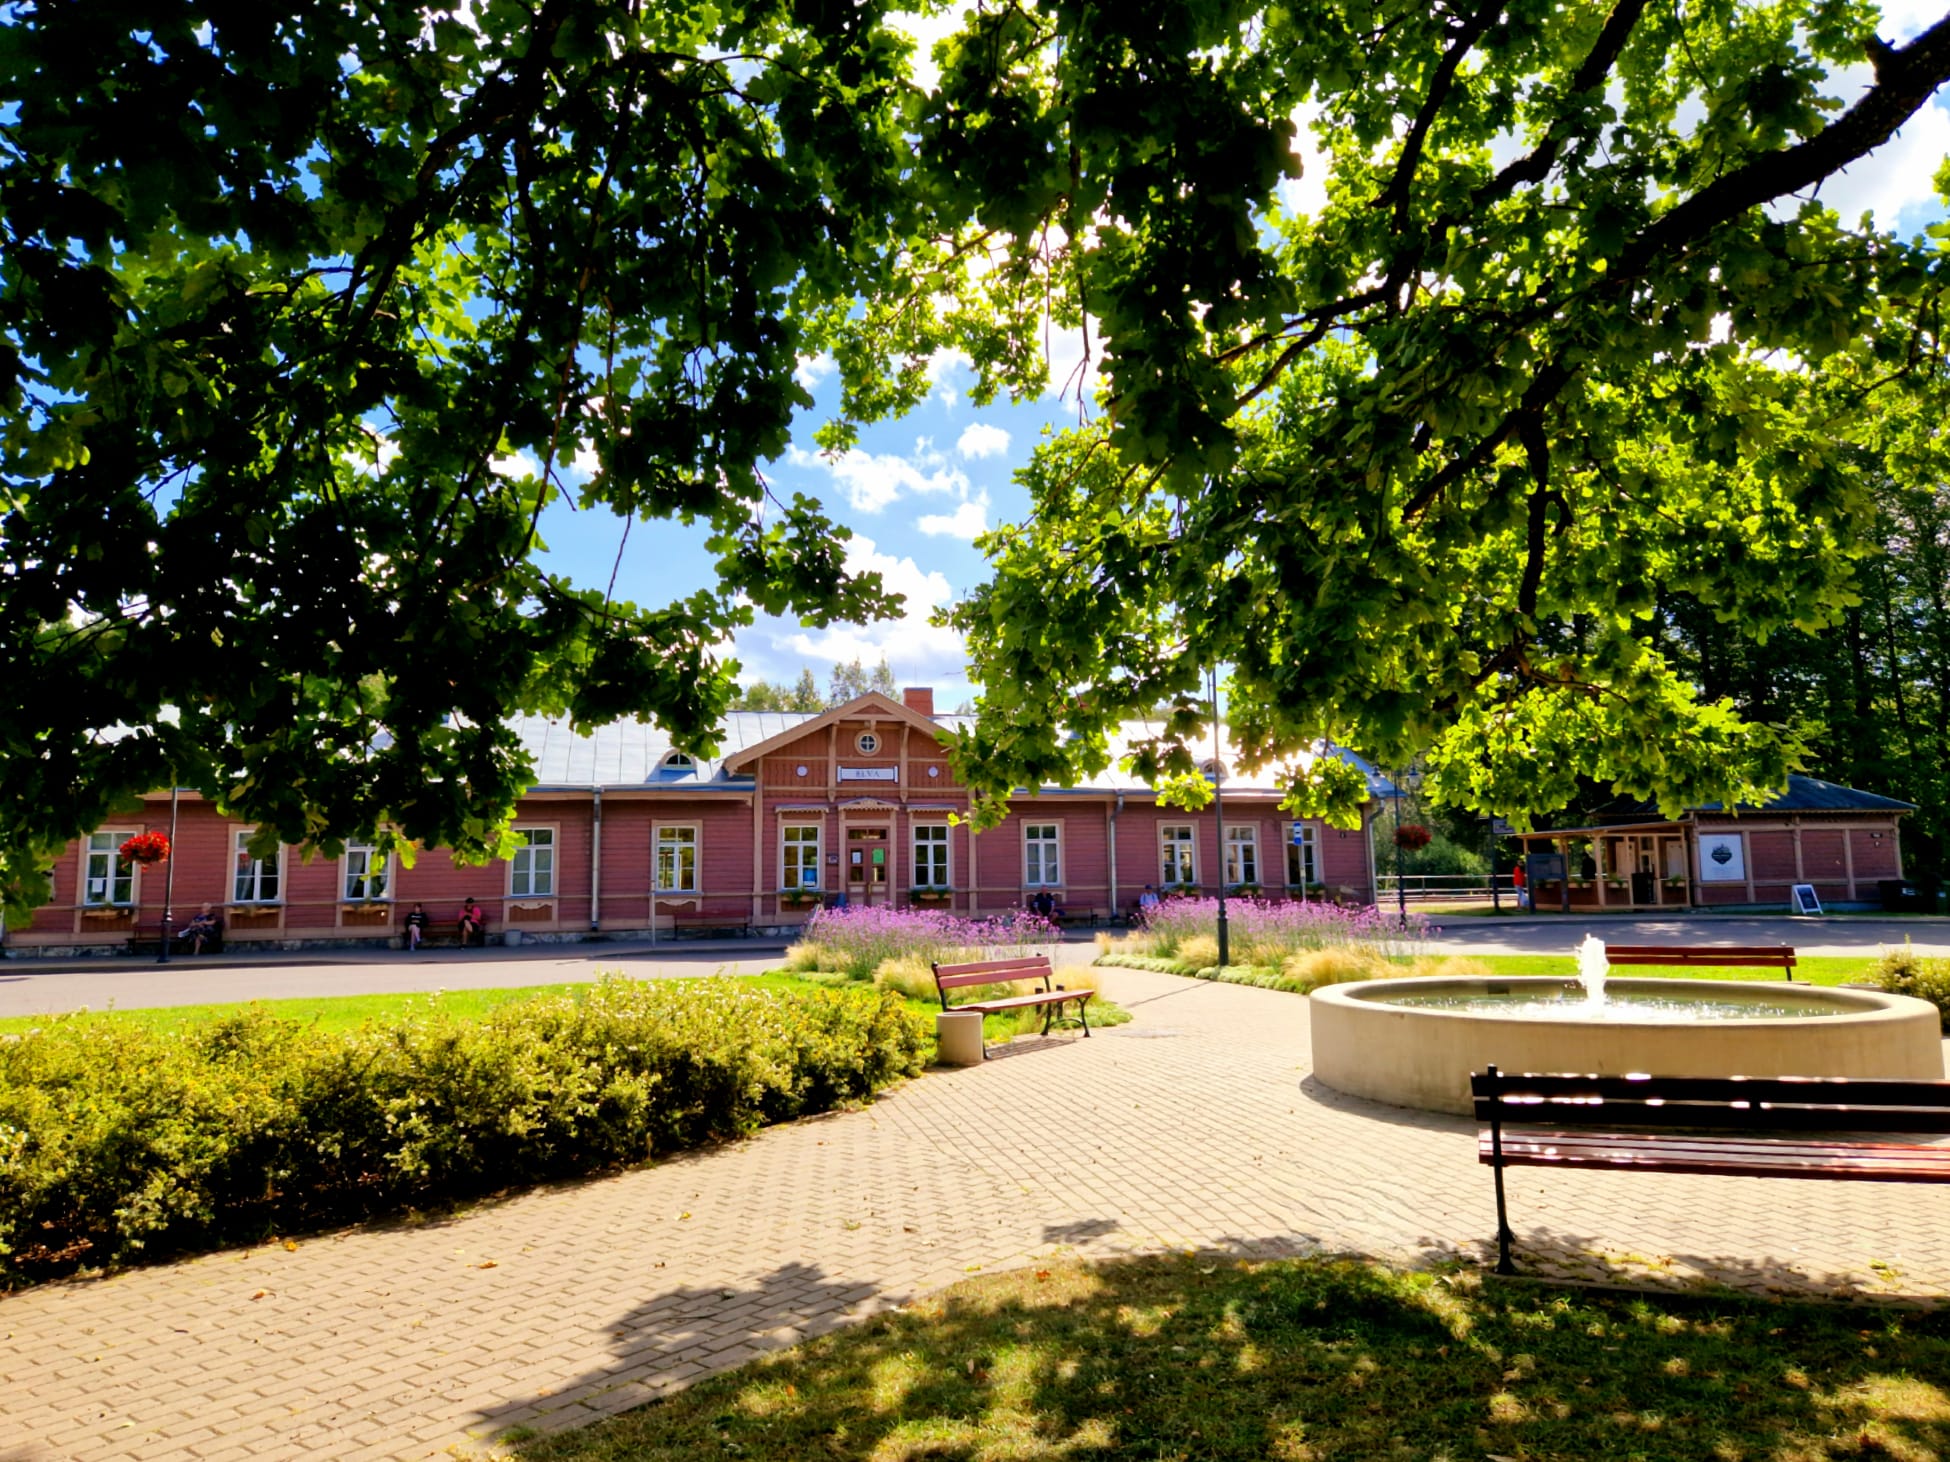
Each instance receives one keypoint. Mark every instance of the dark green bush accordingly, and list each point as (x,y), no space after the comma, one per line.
(118,1141)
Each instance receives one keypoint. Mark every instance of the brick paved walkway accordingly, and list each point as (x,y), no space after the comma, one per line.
(1196,1125)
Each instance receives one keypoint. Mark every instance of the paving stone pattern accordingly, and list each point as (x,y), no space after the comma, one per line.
(1196,1126)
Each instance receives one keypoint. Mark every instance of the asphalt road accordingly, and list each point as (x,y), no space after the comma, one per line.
(45,987)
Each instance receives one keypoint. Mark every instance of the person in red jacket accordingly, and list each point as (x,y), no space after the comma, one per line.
(472,922)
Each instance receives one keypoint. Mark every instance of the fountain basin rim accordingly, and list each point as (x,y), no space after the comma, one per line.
(1845,1001)
(1417,1056)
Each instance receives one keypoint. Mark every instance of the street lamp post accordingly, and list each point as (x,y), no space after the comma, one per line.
(169,873)
(1405,785)
(1219,814)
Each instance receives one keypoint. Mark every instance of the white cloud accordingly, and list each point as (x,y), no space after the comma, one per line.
(982,440)
(920,653)
(969,521)
(926,30)
(939,365)
(813,369)
(872,481)
(1071,377)
(521,464)
(1306,194)
(1903,19)
(1896,176)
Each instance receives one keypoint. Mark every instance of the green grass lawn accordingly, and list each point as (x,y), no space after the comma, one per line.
(348,1012)
(1816,969)
(1203,1358)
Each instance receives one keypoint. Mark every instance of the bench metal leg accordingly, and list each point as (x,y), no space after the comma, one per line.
(1504,1238)
(1083,1014)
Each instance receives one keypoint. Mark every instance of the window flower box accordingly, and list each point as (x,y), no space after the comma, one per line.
(122,912)
(930,895)
(798,898)
(1244,890)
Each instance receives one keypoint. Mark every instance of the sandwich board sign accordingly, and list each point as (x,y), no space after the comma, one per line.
(1803,900)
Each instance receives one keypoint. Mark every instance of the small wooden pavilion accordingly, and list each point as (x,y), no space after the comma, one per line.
(1842,841)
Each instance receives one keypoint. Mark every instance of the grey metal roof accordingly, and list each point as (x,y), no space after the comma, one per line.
(1803,794)
(1812,794)
(629,754)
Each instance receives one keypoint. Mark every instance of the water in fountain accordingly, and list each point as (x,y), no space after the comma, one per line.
(1592,966)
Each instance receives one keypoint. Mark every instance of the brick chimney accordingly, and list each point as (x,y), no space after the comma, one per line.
(919,698)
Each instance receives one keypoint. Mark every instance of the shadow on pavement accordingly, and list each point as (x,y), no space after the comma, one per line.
(1202,1355)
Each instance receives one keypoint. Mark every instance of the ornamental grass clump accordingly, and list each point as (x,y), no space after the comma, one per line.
(118,1141)
(855,942)
(1265,932)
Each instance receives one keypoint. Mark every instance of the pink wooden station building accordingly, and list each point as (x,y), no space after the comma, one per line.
(627,836)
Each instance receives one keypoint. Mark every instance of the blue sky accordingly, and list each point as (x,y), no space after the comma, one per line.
(917,491)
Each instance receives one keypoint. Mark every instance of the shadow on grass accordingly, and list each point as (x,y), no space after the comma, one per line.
(1209,1356)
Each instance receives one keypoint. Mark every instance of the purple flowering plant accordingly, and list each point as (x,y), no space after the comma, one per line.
(1265,931)
(856,940)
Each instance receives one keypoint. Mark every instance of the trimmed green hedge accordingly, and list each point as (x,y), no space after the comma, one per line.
(118,1142)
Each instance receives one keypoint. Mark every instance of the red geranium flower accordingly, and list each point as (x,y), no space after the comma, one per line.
(146,848)
(1412,835)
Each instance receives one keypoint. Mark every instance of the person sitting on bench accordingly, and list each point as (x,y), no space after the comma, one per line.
(472,921)
(204,928)
(416,926)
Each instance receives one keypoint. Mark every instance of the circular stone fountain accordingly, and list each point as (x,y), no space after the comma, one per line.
(1414,1042)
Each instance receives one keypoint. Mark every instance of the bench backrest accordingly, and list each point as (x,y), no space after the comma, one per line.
(1749,1103)
(1770,956)
(991,972)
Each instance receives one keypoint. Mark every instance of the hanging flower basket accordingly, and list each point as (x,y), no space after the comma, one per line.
(1412,835)
(146,848)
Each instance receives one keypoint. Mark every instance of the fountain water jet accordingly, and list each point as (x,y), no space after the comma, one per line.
(1592,967)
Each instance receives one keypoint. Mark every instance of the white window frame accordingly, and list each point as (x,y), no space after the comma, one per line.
(245,866)
(1242,855)
(818,843)
(938,837)
(1178,852)
(1309,851)
(517,866)
(107,842)
(384,876)
(666,837)
(1042,875)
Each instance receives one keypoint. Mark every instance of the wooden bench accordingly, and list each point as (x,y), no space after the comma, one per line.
(1765,956)
(1008,971)
(146,937)
(1713,1124)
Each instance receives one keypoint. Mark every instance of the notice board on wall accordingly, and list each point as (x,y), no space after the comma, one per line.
(1722,858)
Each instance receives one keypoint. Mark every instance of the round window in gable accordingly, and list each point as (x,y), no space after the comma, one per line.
(934,771)
(867,742)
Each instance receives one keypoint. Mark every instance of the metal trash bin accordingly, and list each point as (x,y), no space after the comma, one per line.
(1897,894)
(958,1038)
